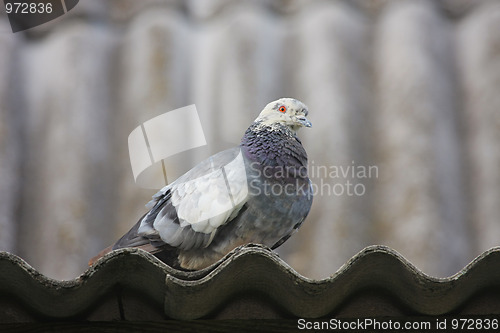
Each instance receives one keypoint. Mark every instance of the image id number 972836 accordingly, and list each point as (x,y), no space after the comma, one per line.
(28,7)
(474,324)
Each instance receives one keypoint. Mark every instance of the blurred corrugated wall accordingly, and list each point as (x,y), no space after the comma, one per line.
(404,93)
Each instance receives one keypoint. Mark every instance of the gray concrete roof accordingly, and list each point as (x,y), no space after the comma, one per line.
(251,282)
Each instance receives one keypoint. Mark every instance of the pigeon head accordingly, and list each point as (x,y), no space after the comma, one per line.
(286,111)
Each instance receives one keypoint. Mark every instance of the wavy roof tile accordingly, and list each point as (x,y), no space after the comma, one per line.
(250,282)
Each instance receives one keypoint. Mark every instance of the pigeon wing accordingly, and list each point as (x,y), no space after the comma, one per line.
(187,213)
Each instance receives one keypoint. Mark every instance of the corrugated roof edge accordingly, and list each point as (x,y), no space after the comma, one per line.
(249,269)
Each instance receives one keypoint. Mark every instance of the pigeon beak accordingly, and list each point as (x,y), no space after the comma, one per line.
(304,121)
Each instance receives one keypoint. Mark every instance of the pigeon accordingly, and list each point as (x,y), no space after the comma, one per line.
(258,192)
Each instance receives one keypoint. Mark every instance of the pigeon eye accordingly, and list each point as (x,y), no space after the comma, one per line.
(282,109)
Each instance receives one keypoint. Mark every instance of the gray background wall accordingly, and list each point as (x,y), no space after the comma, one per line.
(410,87)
